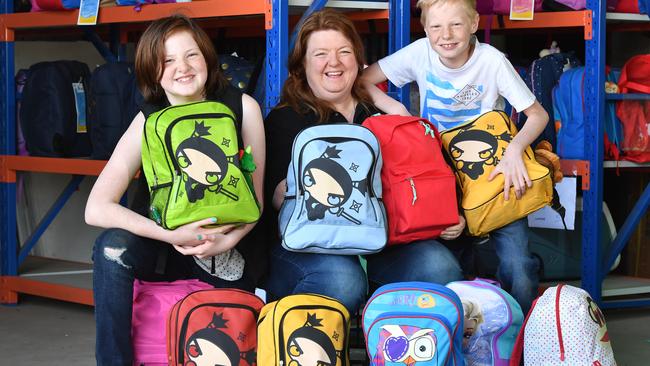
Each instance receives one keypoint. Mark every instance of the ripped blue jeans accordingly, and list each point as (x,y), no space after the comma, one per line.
(119,258)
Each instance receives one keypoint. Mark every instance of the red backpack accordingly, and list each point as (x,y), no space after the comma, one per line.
(635,114)
(214,327)
(419,189)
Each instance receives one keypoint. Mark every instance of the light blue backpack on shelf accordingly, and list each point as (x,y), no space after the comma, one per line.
(414,323)
(333,199)
(493,319)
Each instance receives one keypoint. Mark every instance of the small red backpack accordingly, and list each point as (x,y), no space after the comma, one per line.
(635,114)
(214,327)
(419,189)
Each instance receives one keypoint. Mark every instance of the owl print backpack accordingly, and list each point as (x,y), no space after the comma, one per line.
(492,321)
(191,157)
(303,330)
(333,199)
(475,148)
(414,323)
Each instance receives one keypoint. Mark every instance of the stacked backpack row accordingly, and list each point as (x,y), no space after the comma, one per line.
(64,110)
(466,322)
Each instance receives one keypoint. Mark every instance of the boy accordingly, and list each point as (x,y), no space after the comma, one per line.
(459,79)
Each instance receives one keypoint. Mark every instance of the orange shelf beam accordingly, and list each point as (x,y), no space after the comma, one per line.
(10,164)
(10,285)
(577,168)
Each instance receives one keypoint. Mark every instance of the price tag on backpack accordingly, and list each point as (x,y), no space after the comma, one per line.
(88,10)
(80,106)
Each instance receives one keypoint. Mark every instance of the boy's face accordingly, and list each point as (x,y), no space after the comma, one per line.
(449,28)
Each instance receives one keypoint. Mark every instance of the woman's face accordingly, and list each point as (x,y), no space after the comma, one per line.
(330,65)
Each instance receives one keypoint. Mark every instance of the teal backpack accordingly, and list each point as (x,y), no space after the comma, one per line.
(191,160)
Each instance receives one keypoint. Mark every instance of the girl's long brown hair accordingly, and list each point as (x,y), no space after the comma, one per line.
(296,92)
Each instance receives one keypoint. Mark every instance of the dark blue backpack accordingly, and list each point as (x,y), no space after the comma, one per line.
(53,117)
(114,100)
(542,77)
(569,111)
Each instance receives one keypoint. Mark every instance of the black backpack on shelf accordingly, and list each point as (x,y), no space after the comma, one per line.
(52,115)
(114,100)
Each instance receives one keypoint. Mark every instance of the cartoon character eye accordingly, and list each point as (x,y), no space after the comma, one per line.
(194,351)
(456,152)
(183,161)
(396,347)
(423,347)
(308,180)
(212,177)
(294,350)
(485,153)
(334,199)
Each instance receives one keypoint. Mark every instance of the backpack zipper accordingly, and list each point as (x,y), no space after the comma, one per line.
(413,191)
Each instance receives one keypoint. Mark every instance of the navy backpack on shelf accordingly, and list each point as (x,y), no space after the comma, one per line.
(114,100)
(53,110)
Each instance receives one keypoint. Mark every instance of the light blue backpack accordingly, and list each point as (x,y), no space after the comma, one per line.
(333,199)
(492,321)
(414,323)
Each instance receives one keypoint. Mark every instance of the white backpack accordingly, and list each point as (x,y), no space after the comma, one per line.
(565,327)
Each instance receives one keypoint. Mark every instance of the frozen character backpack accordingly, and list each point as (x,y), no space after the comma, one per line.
(333,198)
(415,178)
(303,330)
(475,149)
(492,321)
(214,327)
(191,157)
(564,327)
(414,324)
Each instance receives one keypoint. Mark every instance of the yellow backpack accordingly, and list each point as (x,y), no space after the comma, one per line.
(304,329)
(475,148)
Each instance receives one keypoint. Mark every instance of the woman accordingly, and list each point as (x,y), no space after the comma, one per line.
(323,87)
(175,64)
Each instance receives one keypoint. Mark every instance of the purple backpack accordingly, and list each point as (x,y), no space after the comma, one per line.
(152,302)
(492,321)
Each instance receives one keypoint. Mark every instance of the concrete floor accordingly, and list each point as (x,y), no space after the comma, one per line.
(41,331)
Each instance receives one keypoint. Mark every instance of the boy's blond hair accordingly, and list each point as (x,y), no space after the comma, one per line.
(424,5)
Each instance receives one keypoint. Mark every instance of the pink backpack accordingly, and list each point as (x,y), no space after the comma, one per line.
(564,327)
(152,302)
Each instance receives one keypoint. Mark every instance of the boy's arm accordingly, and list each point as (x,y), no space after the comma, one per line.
(373,75)
(512,165)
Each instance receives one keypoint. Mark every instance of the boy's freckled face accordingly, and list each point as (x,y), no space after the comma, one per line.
(449,28)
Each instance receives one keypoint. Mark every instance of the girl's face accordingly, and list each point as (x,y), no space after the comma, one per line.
(184,70)
(330,65)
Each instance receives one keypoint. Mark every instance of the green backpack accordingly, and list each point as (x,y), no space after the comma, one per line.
(191,160)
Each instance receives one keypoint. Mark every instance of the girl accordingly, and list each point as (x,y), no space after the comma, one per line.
(175,64)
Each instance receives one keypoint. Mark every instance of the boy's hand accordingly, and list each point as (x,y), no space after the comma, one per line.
(514,172)
(453,232)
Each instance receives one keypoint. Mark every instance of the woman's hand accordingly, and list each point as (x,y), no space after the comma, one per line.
(453,232)
(514,172)
(213,241)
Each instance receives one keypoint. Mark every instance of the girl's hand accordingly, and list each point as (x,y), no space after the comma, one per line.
(217,241)
(195,233)
(514,172)
(453,232)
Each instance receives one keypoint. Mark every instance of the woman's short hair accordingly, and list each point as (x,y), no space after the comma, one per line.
(150,56)
(296,91)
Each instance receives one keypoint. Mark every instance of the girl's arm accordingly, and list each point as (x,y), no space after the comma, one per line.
(103,208)
(372,76)
(225,237)
(512,165)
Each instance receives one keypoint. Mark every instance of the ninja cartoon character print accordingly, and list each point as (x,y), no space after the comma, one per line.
(203,164)
(471,150)
(211,346)
(328,186)
(310,346)
(405,344)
